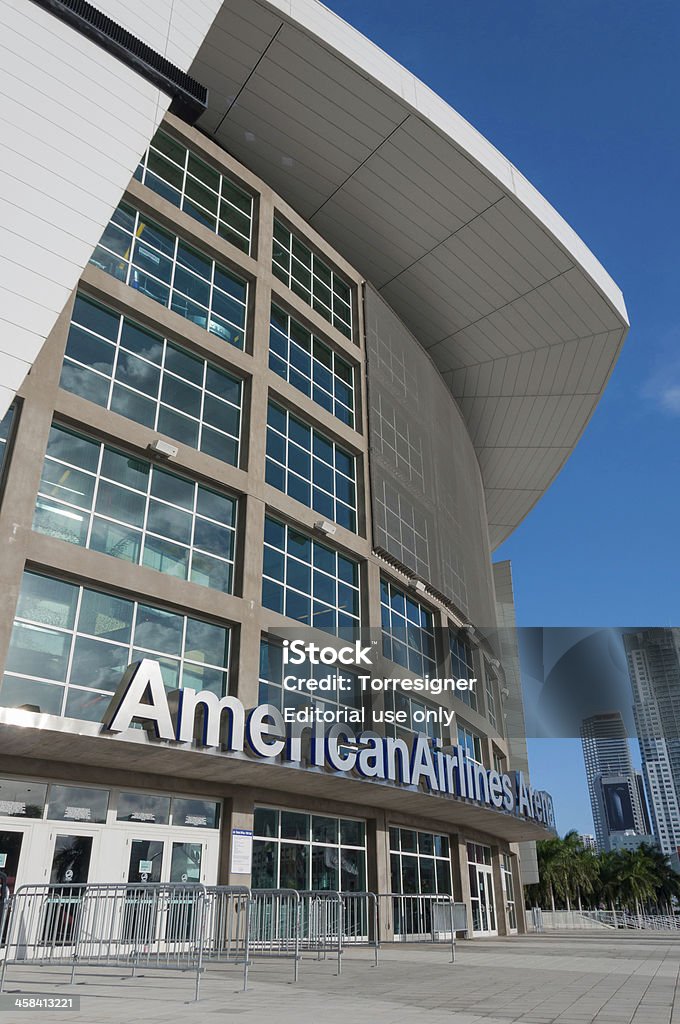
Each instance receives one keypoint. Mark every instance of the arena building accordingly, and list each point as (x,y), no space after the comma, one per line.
(289,350)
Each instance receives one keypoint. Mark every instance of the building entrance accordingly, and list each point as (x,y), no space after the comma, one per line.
(481,890)
(77,834)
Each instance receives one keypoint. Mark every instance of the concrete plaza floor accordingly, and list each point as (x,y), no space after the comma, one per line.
(556,978)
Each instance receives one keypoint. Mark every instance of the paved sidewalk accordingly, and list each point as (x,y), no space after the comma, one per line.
(559,978)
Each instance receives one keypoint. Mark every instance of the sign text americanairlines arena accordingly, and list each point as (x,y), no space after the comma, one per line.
(224,724)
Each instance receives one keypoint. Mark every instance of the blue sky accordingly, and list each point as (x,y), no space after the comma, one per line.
(583,97)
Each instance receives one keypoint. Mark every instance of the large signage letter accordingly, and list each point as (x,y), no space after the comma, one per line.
(141,679)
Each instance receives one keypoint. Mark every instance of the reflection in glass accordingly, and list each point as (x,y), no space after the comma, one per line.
(76,803)
(146,808)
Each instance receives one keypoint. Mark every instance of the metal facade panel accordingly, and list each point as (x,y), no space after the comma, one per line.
(427,494)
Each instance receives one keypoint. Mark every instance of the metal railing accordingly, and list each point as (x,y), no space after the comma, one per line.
(113,925)
(227,924)
(535,920)
(417,917)
(540,920)
(275,925)
(322,925)
(361,925)
(5,907)
(190,927)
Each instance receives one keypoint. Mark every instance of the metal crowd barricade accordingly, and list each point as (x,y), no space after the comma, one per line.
(226,936)
(460,918)
(5,908)
(360,921)
(322,923)
(132,925)
(537,919)
(275,925)
(416,917)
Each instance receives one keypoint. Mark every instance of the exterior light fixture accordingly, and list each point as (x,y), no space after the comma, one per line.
(162,448)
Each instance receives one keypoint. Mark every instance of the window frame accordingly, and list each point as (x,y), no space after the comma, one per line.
(143,171)
(294,374)
(293,477)
(391,637)
(291,562)
(307,294)
(166,376)
(180,662)
(144,535)
(122,267)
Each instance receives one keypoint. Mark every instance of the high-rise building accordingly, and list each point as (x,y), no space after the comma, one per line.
(613,784)
(654,668)
(304,349)
(588,841)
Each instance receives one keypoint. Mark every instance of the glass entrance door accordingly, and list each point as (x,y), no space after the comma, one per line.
(146,860)
(482,895)
(10,855)
(141,910)
(70,867)
(185,863)
(71,860)
(487,906)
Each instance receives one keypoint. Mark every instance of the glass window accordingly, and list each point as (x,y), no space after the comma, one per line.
(159,264)
(101,498)
(190,183)
(490,687)
(77,803)
(509,888)
(311,468)
(407,631)
(194,812)
(312,279)
(462,667)
(70,646)
(420,864)
(311,366)
(20,799)
(145,808)
(310,582)
(421,715)
(113,362)
(292,849)
(471,743)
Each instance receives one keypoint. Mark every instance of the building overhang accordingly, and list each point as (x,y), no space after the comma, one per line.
(81,745)
(520,318)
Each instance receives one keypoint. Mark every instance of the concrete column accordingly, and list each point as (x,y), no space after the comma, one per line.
(379,871)
(499,892)
(239,813)
(519,895)
(461,877)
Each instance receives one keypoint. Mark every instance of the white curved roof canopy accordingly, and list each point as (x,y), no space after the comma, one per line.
(520,318)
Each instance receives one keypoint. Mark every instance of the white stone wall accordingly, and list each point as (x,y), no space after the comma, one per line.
(74,122)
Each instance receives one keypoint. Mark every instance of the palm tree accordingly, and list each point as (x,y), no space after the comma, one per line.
(617,879)
(636,879)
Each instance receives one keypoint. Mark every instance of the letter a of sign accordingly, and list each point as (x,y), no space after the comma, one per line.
(142,679)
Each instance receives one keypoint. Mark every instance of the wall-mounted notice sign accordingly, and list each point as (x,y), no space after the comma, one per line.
(241,851)
(145,867)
